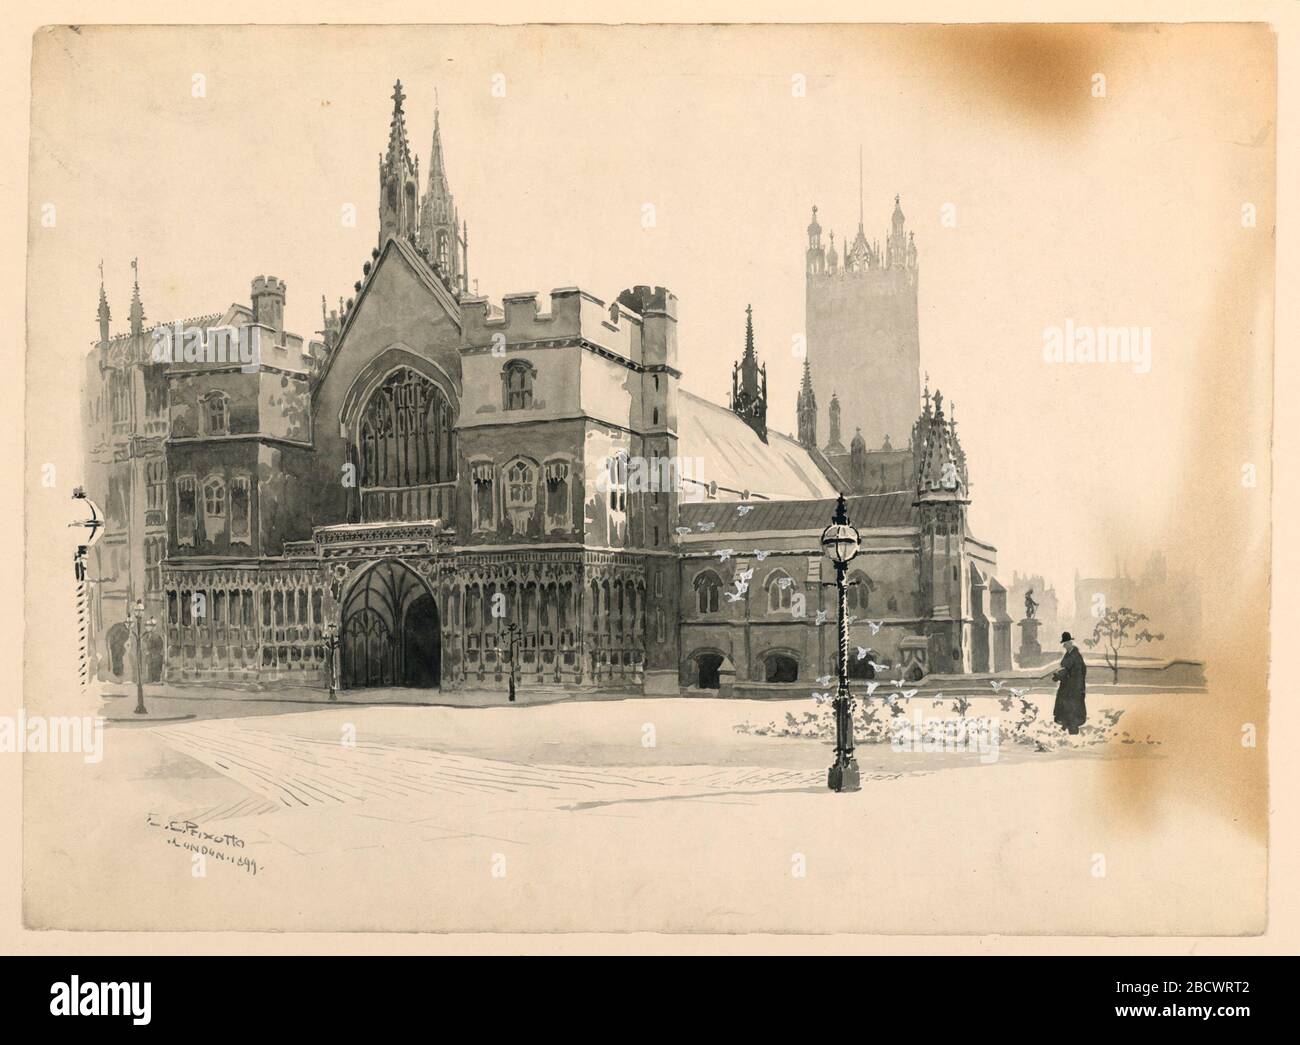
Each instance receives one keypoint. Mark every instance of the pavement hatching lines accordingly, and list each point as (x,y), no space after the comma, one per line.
(285,770)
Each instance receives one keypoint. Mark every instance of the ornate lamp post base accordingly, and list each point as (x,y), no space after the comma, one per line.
(844,776)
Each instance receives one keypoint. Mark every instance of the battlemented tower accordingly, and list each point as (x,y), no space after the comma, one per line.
(861,325)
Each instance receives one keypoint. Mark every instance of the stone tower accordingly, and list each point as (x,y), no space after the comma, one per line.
(399,179)
(749,383)
(861,321)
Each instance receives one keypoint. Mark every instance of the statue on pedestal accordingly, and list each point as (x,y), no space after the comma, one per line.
(1030,605)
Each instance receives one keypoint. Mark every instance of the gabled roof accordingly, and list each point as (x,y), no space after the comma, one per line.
(866,512)
(735,457)
(424,272)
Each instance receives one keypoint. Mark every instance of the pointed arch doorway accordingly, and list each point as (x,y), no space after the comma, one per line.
(392,631)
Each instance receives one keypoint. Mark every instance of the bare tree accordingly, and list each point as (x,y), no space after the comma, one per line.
(1117,629)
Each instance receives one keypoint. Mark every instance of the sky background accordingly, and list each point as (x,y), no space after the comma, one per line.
(1123,210)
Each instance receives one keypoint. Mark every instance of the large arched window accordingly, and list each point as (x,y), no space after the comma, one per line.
(406,436)
(707,587)
(517,384)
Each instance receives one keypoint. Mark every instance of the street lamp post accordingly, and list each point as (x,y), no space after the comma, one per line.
(139,629)
(840,542)
(512,641)
(331,658)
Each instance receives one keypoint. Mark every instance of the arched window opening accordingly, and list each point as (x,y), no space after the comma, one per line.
(216,413)
(707,589)
(517,377)
(780,589)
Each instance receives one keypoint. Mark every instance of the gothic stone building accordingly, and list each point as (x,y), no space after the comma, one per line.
(438,469)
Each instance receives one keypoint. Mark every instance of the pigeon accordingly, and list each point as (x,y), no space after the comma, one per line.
(724,554)
(682,531)
(735,596)
(909,693)
(820,697)
(862,653)
(825,680)
(997,685)
(1005,703)
(877,667)
(875,625)
(705,527)
(821,617)
(744,509)
(1018,692)
(871,687)
(760,556)
(784,583)
(745,575)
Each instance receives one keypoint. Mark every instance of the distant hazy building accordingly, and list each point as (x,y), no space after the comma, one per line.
(862,333)
(1170,598)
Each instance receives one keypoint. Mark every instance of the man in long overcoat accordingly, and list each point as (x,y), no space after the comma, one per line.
(1070,711)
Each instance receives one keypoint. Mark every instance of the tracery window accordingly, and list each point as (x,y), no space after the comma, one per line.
(216,414)
(406,433)
(214,506)
(707,588)
(517,377)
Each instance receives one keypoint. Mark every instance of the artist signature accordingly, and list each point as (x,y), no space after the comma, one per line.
(186,834)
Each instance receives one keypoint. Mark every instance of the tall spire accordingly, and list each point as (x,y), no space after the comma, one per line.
(137,308)
(104,314)
(441,232)
(399,151)
(437,170)
(399,177)
(806,408)
(749,383)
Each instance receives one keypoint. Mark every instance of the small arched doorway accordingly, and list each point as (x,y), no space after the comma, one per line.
(710,665)
(391,633)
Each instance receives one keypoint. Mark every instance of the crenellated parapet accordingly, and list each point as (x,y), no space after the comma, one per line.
(572,315)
